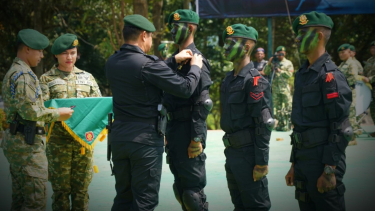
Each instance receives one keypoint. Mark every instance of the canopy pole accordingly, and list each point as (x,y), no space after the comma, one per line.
(270,44)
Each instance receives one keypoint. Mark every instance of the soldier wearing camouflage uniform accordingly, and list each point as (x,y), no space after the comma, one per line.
(369,77)
(359,65)
(70,171)
(281,93)
(350,70)
(23,104)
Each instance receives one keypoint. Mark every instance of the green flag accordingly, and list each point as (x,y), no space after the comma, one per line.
(88,122)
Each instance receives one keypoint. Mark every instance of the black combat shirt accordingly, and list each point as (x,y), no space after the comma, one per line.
(242,99)
(137,81)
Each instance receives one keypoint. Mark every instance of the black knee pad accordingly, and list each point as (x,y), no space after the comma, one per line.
(194,200)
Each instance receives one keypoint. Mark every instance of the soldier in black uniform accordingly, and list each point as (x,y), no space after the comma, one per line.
(320,113)
(137,82)
(260,63)
(187,129)
(247,121)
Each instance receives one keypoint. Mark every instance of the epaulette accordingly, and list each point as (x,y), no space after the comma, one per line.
(153,57)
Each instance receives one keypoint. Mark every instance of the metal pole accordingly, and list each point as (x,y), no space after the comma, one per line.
(270,44)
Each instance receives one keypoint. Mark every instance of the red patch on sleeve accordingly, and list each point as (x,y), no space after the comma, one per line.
(256,80)
(329,77)
(256,96)
(332,95)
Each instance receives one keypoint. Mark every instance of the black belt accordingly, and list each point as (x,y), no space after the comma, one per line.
(238,139)
(181,114)
(310,138)
(151,121)
(38,130)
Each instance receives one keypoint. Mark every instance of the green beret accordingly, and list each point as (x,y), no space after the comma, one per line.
(312,19)
(372,43)
(280,48)
(352,48)
(63,43)
(185,16)
(140,22)
(32,39)
(343,47)
(162,46)
(240,30)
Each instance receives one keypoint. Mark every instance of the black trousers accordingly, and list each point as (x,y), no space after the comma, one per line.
(245,193)
(137,168)
(189,174)
(308,167)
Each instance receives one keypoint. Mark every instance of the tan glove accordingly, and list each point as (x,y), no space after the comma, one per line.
(194,149)
(259,172)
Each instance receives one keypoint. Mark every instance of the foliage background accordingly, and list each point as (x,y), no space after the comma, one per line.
(98,24)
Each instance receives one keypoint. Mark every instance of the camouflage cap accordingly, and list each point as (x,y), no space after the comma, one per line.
(63,43)
(240,30)
(140,22)
(32,39)
(352,48)
(162,46)
(312,19)
(343,47)
(372,43)
(183,15)
(280,48)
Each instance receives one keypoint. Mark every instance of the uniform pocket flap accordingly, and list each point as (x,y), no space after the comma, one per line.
(236,97)
(35,172)
(311,88)
(311,99)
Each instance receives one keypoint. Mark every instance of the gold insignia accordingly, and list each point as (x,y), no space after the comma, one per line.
(176,17)
(230,30)
(283,49)
(342,48)
(303,20)
(75,43)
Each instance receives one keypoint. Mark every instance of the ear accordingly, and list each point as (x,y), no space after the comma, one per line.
(190,28)
(320,36)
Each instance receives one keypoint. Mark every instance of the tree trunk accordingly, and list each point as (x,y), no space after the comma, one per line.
(38,25)
(140,7)
(186,4)
(156,19)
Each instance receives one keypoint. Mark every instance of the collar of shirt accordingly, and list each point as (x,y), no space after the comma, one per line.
(132,48)
(24,65)
(190,47)
(317,66)
(244,70)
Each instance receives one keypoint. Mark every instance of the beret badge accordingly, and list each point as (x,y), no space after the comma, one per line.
(75,43)
(230,30)
(303,20)
(176,17)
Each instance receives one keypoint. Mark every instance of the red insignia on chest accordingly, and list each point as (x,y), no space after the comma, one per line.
(332,95)
(329,77)
(256,96)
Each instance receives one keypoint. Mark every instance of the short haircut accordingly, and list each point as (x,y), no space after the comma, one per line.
(131,33)
(195,28)
(326,33)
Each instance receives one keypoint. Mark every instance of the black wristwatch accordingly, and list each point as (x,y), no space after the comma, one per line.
(329,170)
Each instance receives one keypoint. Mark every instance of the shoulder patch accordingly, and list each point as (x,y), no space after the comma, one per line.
(329,77)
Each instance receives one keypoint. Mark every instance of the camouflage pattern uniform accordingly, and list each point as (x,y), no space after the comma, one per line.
(350,70)
(359,65)
(369,72)
(281,95)
(28,163)
(70,173)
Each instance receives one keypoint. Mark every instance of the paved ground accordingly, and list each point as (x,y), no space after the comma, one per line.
(358,179)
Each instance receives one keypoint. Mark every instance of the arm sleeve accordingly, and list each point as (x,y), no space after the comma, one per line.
(337,100)
(201,109)
(171,62)
(94,91)
(258,102)
(353,72)
(159,74)
(267,69)
(28,107)
(287,71)
(45,89)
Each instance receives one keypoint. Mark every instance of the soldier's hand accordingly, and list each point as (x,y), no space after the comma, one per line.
(365,79)
(183,55)
(165,141)
(326,182)
(289,177)
(278,70)
(65,113)
(197,60)
(270,60)
(259,172)
(194,149)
